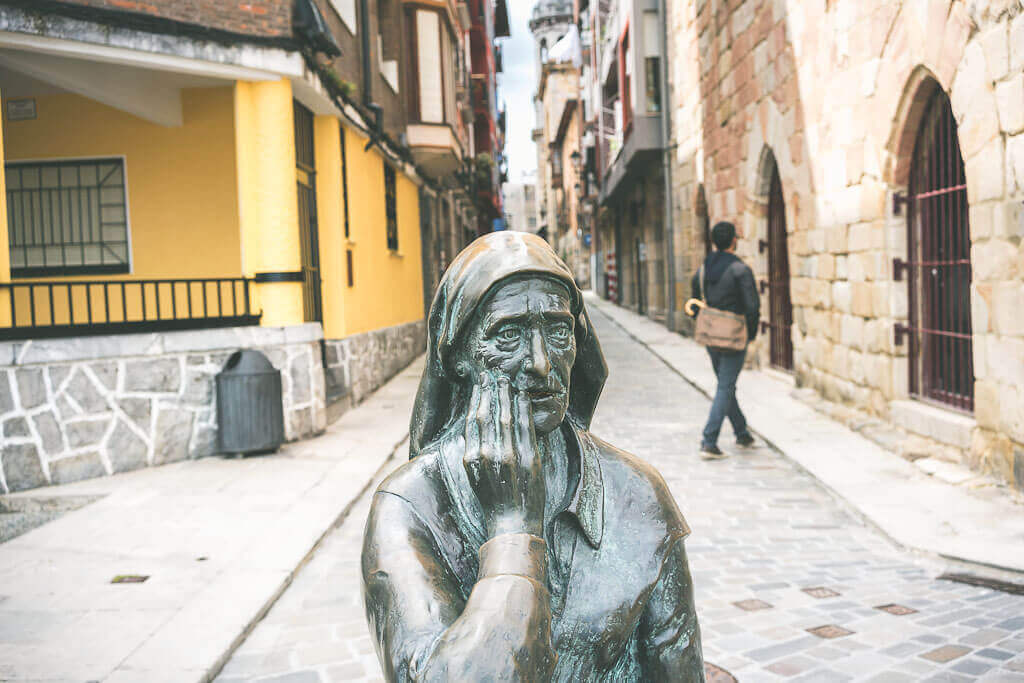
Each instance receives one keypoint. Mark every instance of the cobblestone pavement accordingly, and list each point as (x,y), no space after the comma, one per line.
(789,582)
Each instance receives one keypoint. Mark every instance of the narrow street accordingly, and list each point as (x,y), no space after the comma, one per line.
(789,581)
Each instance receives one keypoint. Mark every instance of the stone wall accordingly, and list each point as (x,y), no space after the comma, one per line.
(834,93)
(85,407)
(639,210)
(358,365)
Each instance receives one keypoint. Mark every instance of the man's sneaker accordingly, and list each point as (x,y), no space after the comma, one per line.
(711,453)
(745,441)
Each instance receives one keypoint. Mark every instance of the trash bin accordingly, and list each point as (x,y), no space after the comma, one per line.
(250,415)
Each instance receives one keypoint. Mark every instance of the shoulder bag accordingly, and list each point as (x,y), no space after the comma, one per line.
(716,328)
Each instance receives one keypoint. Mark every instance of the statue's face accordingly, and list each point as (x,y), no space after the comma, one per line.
(525,331)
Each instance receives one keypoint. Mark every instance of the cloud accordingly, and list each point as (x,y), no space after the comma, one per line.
(516,88)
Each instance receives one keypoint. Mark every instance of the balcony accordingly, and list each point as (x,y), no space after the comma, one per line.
(435,147)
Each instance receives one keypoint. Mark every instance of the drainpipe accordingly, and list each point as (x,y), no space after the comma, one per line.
(364,29)
(375,109)
(666,132)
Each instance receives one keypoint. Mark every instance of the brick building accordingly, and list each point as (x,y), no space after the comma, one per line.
(872,155)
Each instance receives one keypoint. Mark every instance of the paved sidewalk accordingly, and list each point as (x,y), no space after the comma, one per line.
(916,510)
(773,554)
(219,539)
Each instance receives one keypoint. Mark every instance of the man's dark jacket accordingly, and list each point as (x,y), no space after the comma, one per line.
(730,287)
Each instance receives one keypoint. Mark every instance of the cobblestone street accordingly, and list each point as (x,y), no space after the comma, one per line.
(790,583)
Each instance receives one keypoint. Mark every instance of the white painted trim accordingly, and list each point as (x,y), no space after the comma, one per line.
(287,62)
(134,92)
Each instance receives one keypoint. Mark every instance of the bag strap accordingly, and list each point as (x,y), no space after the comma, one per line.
(700,281)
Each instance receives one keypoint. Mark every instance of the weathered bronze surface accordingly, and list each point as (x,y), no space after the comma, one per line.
(515,545)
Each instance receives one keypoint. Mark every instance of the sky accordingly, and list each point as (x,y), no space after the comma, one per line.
(516,88)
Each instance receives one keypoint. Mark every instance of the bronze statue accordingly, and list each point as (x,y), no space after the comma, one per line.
(515,545)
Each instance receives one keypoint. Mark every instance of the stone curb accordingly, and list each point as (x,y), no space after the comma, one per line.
(907,506)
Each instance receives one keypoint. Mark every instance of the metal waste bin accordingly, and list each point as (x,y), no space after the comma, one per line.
(250,415)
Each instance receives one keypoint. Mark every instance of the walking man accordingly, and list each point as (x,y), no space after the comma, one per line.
(729,286)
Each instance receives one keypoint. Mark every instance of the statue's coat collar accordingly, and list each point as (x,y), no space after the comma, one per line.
(587,503)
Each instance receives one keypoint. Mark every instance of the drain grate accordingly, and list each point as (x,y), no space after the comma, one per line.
(820,592)
(981,581)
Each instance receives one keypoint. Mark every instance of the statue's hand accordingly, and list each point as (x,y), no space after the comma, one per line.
(502,459)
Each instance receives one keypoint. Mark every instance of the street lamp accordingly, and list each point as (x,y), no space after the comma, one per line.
(577,161)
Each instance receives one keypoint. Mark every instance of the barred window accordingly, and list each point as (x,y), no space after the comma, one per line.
(67,217)
(391,207)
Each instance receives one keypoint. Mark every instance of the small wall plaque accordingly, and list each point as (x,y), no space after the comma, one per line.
(21,110)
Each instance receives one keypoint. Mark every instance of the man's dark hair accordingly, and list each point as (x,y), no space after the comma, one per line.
(722,235)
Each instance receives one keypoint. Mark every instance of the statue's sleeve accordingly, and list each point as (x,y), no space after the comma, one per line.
(669,633)
(425,631)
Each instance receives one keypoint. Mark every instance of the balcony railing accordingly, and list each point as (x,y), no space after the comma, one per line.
(66,309)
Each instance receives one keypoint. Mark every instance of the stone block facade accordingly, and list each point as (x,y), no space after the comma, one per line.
(833,94)
(631,228)
(361,363)
(78,408)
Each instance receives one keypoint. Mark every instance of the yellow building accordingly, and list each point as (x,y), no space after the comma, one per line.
(207,204)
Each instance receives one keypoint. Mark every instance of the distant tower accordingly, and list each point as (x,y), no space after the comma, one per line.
(548,22)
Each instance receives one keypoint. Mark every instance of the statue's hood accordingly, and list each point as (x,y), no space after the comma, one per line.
(474,272)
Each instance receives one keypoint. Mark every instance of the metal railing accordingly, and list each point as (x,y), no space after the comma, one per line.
(38,309)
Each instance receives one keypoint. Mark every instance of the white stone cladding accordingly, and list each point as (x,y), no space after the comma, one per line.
(834,90)
(84,407)
(360,364)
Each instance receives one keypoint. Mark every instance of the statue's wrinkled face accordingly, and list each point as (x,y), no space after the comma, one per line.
(525,331)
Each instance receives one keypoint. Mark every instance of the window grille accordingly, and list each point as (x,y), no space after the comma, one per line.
(780,311)
(939,267)
(391,207)
(67,217)
(305,175)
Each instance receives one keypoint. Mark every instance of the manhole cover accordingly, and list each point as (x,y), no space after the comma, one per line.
(983,582)
(752,605)
(716,674)
(820,592)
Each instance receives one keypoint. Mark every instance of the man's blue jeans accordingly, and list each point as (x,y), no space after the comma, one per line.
(727,365)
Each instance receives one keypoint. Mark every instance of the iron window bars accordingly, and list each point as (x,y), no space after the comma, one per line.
(939,266)
(391,207)
(67,217)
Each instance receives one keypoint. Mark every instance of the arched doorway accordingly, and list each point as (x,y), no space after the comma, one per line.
(939,263)
(780,307)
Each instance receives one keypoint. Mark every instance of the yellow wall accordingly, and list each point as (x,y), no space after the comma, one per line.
(331,223)
(182,203)
(5,261)
(388,285)
(267,197)
(217,197)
